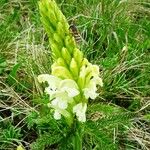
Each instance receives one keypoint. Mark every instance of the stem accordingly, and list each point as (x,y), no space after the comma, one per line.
(77,140)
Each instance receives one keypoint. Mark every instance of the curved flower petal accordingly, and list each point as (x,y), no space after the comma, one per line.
(61,72)
(55,102)
(80,110)
(57,115)
(50,91)
(90,93)
(53,81)
(90,90)
(98,80)
(95,70)
(60,103)
(71,92)
(70,86)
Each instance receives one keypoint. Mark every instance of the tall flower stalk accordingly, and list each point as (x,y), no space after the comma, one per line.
(73,79)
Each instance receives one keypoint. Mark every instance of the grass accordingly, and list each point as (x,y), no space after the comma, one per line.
(116,37)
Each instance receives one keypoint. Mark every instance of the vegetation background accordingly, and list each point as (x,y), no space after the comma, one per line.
(116,36)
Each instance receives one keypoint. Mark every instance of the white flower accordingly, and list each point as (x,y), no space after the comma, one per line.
(52,81)
(90,91)
(70,87)
(57,85)
(98,80)
(90,88)
(57,115)
(61,93)
(61,100)
(80,110)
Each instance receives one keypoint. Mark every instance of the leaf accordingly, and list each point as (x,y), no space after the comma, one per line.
(12,77)
(104,139)
(3,65)
(109,116)
(101,122)
(46,139)
(105,108)
(32,116)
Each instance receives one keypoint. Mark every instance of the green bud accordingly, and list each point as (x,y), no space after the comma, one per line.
(87,79)
(85,62)
(81,82)
(58,39)
(52,19)
(20,147)
(61,72)
(48,27)
(74,68)
(60,62)
(81,79)
(70,43)
(78,56)
(61,18)
(54,65)
(47,14)
(60,29)
(88,71)
(56,50)
(66,55)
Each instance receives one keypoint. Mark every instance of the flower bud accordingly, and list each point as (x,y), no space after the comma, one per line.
(60,62)
(56,50)
(74,68)
(85,62)
(81,79)
(70,43)
(48,27)
(60,30)
(47,13)
(58,39)
(78,56)
(66,55)
(20,147)
(61,72)
(52,17)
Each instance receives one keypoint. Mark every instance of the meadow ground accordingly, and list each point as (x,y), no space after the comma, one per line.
(116,36)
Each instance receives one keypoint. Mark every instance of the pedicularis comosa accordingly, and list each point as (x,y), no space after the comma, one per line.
(73,79)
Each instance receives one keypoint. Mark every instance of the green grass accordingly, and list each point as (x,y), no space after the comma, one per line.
(117,38)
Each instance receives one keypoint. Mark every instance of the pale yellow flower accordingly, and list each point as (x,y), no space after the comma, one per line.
(80,110)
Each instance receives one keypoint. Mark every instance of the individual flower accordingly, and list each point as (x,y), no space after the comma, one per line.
(90,90)
(80,110)
(53,81)
(61,92)
(92,81)
(57,85)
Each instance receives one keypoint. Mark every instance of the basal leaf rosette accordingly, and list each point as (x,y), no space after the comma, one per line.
(73,79)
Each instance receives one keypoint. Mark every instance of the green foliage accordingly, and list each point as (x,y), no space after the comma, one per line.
(105,124)
(9,135)
(106,26)
(51,132)
(3,65)
(45,140)
(13,74)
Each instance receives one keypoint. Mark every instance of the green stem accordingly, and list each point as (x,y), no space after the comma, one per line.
(78,136)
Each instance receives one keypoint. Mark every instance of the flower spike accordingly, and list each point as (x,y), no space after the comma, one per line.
(73,79)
